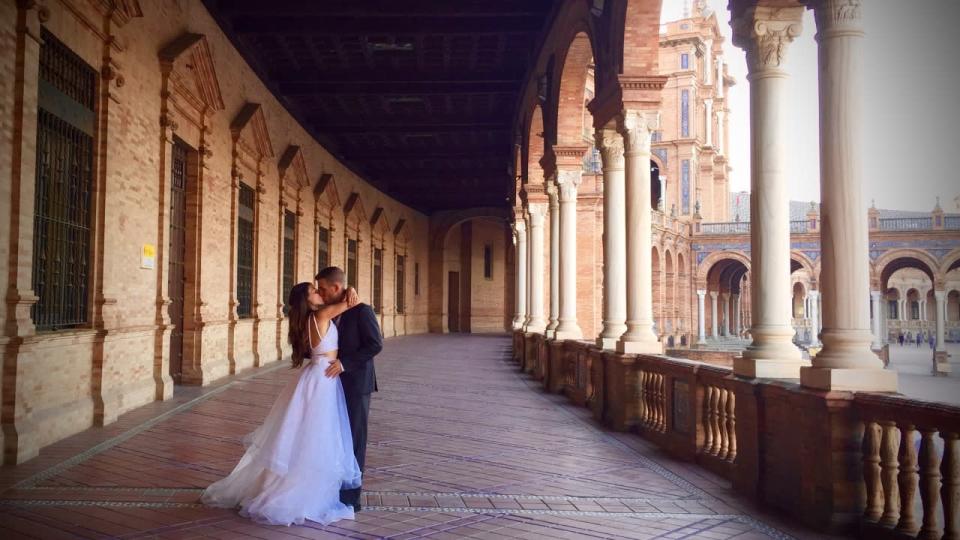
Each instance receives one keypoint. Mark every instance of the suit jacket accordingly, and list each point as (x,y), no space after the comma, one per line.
(359,341)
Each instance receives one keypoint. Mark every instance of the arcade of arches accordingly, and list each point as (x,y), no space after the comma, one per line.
(173,169)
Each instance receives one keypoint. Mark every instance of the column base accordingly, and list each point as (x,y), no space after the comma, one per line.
(607,343)
(639,347)
(763,368)
(849,379)
(941,363)
(575,334)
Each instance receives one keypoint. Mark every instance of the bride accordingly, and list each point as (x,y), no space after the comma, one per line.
(299,459)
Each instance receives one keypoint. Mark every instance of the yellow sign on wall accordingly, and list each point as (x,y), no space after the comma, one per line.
(148,256)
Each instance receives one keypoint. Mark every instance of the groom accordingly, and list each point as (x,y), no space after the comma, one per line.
(359,341)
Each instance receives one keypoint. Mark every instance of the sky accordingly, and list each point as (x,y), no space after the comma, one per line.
(910,107)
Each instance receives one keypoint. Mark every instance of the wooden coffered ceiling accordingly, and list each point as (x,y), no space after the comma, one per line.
(416,96)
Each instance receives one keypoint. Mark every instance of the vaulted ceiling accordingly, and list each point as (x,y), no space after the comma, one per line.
(416,96)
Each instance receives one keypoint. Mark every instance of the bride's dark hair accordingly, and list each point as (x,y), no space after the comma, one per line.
(298,334)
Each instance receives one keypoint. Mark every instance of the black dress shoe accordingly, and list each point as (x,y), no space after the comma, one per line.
(357,507)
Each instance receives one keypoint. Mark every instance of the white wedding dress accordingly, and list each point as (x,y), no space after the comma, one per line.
(298,460)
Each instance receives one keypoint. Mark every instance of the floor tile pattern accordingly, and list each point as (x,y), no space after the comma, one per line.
(461,445)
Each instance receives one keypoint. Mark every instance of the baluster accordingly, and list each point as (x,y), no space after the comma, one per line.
(950,492)
(732,426)
(907,481)
(722,424)
(714,421)
(707,432)
(644,408)
(871,471)
(655,397)
(889,443)
(647,398)
(661,404)
(929,484)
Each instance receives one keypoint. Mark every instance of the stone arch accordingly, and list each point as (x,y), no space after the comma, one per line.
(894,260)
(799,260)
(951,261)
(704,267)
(569,97)
(798,295)
(532,170)
(635,36)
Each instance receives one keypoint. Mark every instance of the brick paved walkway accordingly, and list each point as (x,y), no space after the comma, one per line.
(461,445)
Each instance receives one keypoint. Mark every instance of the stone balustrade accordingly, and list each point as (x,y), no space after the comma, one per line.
(911,467)
(837,461)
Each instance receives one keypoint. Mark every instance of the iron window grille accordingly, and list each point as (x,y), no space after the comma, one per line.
(289,250)
(245,240)
(64,180)
(401,282)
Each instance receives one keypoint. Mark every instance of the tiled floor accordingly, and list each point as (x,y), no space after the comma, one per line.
(461,445)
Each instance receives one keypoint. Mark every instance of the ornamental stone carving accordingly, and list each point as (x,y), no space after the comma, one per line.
(764,33)
(636,127)
(610,144)
(567,183)
(837,14)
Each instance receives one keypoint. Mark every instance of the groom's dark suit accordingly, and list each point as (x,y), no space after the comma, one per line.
(359,341)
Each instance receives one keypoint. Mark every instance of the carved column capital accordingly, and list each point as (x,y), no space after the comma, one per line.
(610,144)
(836,15)
(764,33)
(536,213)
(636,128)
(552,195)
(568,181)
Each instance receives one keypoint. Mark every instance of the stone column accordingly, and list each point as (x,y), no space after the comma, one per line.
(708,110)
(736,315)
(877,318)
(554,205)
(537,212)
(764,33)
(719,145)
(713,320)
(701,318)
(610,144)
(846,361)
(725,303)
(528,288)
(636,126)
(520,237)
(567,183)
(814,318)
(941,359)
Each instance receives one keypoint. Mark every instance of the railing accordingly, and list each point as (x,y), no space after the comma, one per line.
(904,458)
(731,227)
(799,226)
(951,223)
(653,401)
(906,224)
(719,421)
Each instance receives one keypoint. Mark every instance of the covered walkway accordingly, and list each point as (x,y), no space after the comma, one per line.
(462,445)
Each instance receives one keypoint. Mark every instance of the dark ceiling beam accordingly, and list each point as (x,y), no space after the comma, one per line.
(426,153)
(417,125)
(427,24)
(409,88)
(512,76)
(404,9)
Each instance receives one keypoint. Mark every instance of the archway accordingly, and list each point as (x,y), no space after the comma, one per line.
(725,283)
(474,265)
(656,197)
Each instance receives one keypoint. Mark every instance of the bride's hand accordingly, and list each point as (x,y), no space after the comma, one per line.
(352,297)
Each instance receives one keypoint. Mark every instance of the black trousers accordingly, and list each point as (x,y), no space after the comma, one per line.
(358,409)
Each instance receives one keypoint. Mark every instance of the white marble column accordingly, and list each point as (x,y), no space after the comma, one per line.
(528,288)
(765,33)
(736,315)
(554,209)
(708,110)
(701,318)
(537,212)
(877,318)
(725,306)
(941,307)
(846,361)
(636,126)
(713,320)
(568,181)
(814,318)
(902,309)
(520,292)
(719,145)
(610,144)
